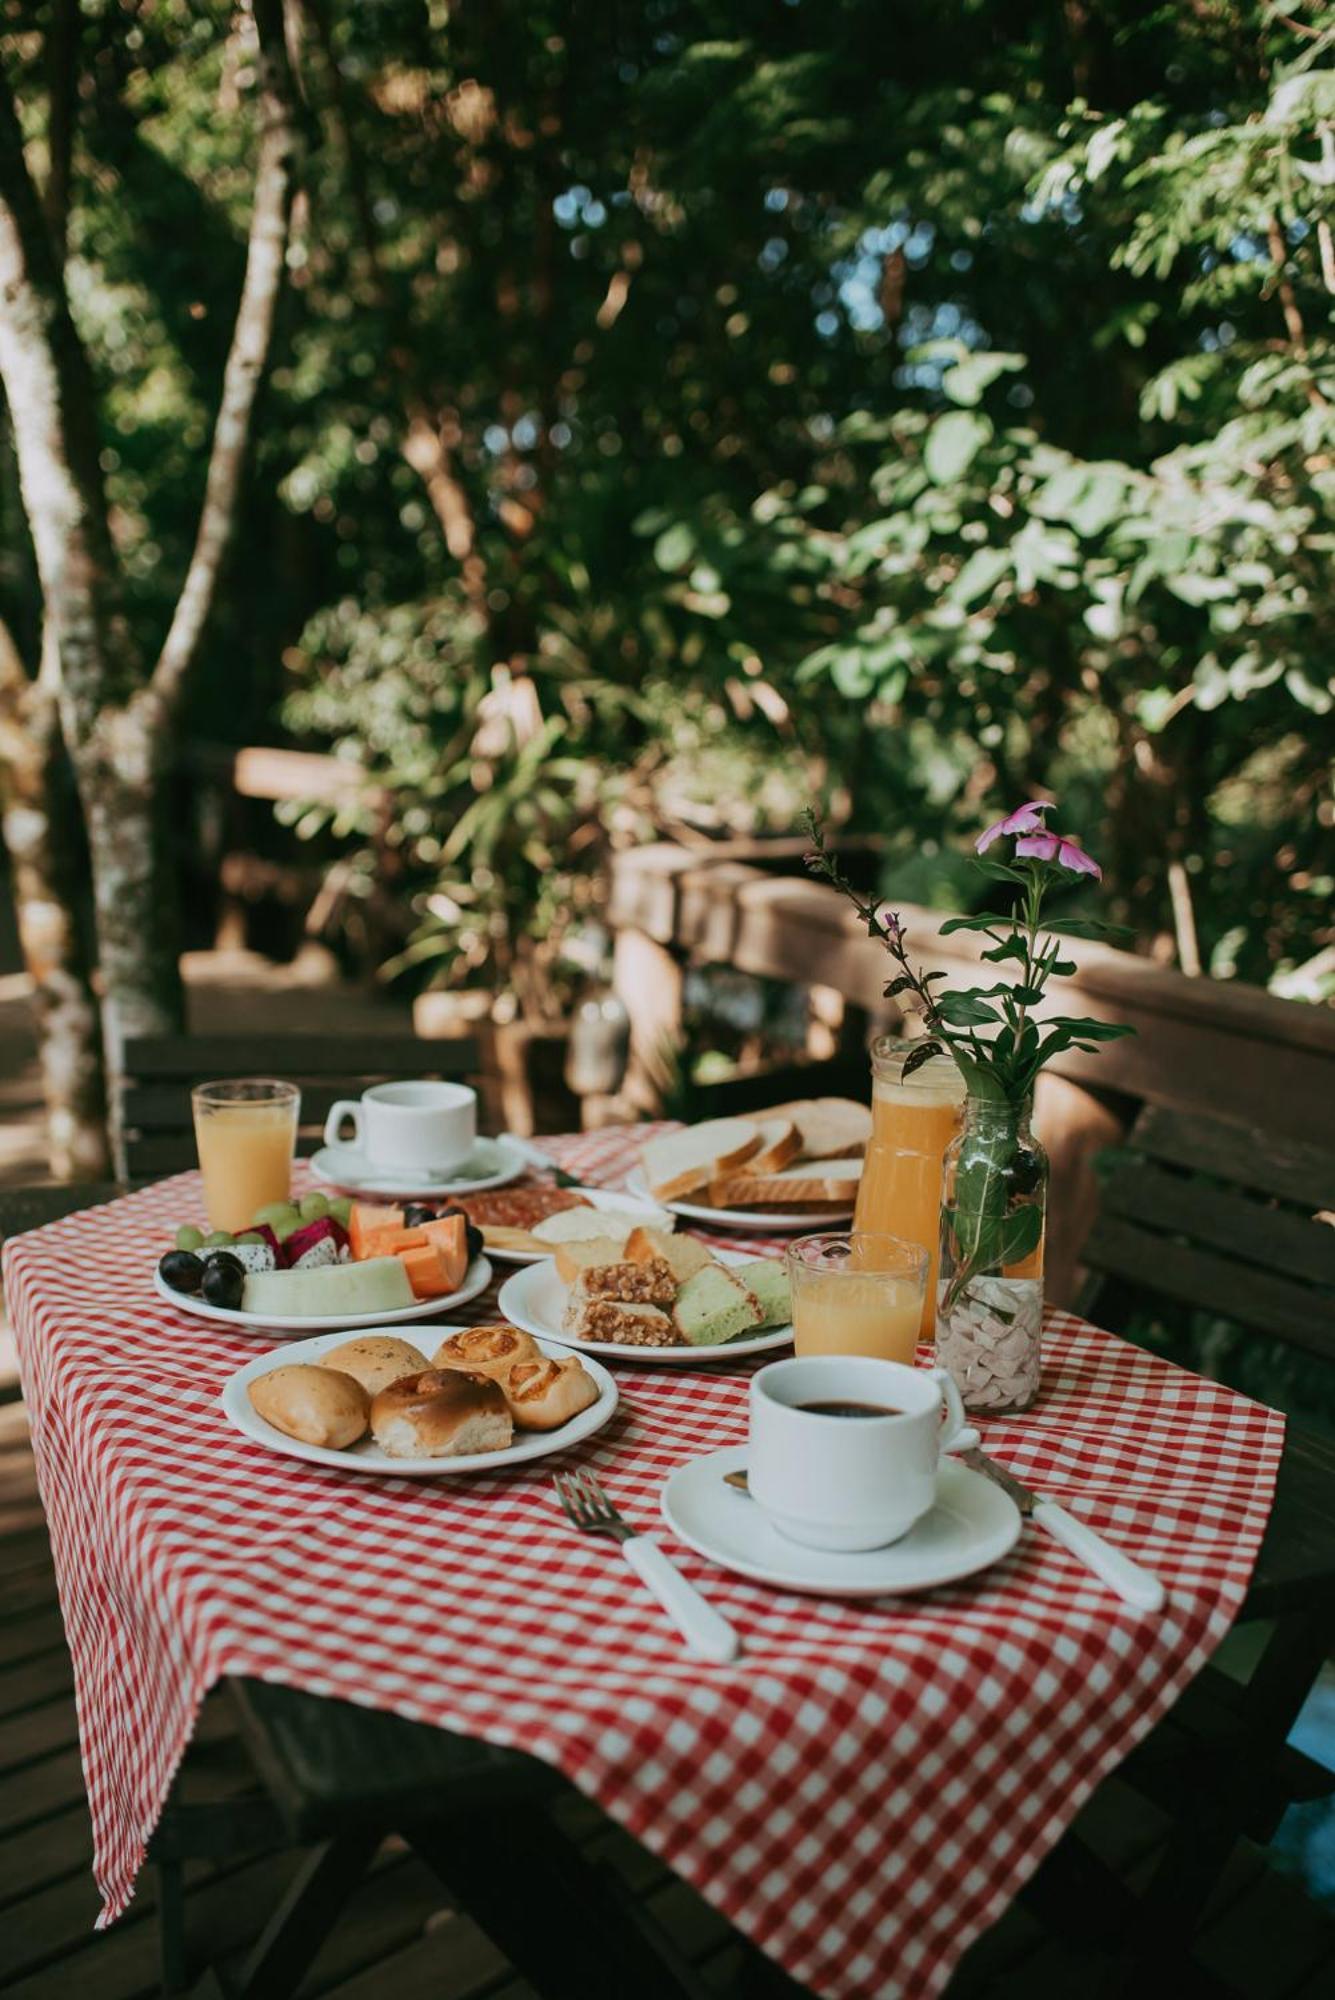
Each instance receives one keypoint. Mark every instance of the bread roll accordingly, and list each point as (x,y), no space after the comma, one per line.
(442,1413)
(314,1404)
(375,1360)
(486,1350)
(545,1394)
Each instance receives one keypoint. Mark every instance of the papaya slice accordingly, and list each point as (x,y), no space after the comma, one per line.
(370,1218)
(426,1272)
(449,1237)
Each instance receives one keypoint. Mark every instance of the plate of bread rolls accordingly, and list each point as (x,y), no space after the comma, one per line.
(454,1399)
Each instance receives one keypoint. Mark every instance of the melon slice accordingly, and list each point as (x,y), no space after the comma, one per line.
(380,1284)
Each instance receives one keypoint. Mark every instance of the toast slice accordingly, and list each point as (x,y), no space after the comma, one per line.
(684,1254)
(766,1278)
(572,1258)
(625,1325)
(780,1145)
(812,1181)
(715,1306)
(828,1128)
(650,1284)
(678,1164)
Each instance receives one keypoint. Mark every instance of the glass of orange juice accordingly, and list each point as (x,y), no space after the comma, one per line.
(858,1294)
(914,1119)
(246,1133)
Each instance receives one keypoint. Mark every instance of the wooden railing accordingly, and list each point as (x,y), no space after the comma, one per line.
(1201,1045)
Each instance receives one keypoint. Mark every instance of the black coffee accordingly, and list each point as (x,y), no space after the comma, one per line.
(848,1409)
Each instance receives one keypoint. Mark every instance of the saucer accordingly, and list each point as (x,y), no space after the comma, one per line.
(491,1164)
(972,1524)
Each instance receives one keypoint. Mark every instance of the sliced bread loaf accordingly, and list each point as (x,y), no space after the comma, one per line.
(678,1164)
(713,1306)
(828,1127)
(814,1180)
(766,1278)
(685,1254)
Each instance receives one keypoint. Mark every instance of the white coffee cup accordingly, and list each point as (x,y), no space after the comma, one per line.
(850,1482)
(426,1126)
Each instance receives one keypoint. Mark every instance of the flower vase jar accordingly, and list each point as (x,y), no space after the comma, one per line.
(989,1315)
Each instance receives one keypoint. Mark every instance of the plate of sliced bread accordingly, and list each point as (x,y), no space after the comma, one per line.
(654,1297)
(793,1167)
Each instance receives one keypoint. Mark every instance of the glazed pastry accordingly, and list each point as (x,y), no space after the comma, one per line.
(486,1350)
(545,1394)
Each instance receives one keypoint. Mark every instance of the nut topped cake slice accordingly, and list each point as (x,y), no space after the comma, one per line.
(624,1325)
(648,1284)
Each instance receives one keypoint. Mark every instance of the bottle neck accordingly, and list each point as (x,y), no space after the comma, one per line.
(987,1115)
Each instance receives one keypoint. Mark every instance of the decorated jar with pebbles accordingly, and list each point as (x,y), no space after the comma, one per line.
(989,1315)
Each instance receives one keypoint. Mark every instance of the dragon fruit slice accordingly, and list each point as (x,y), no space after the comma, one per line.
(316,1243)
(262,1229)
(254,1256)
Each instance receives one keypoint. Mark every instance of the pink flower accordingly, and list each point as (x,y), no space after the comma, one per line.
(1025,819)
(1053,847)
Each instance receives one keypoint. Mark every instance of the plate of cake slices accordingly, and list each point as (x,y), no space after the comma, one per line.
(654,1297)
(453,1400)
(792,1168)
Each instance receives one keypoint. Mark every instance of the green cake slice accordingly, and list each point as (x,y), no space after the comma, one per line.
(714,1306)
(767,1280)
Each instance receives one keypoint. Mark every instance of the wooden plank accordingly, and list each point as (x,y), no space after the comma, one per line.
(1297,1554)
(151,1107)
(1245,1231)
(60,1845)
(200,1058)
(1258,1299)
(44,1677)
(38,1732)
(453,1961)
(36,1632)
(36,1791)
(1266,1160)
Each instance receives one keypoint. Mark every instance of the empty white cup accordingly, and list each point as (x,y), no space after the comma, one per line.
(431,1127)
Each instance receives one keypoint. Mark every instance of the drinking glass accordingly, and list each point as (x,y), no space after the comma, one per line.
(246,1134)
(860,1293)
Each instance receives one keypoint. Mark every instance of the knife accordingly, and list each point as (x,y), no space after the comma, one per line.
(1132,1584)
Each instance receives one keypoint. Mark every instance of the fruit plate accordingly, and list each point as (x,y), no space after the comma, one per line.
(534,1300)
(368,1457)
(651,1214)
(477,1279)
(762,1221)
(492,1163)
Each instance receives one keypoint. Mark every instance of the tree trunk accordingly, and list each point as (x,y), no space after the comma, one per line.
(40,818)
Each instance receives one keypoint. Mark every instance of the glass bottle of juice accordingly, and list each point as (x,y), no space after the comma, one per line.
(914,1119)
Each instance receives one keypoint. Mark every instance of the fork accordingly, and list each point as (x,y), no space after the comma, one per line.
(705,1632)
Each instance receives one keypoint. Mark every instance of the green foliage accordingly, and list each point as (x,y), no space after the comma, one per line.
(685,410)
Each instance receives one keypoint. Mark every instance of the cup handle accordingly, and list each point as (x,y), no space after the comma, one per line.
(957,1434)
(347,1107)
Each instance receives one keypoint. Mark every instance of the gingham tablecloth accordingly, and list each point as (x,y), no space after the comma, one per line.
(862,1794)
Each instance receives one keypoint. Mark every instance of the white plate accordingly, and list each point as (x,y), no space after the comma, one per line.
(972,1525)
(762,1221)
(368,1457)
(652,1215)
(536,1298)
(491,1164)
(478,1278)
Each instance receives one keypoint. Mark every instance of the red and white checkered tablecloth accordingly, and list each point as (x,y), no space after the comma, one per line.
(862,1794)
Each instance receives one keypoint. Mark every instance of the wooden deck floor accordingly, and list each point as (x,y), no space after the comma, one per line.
(1265,1939)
